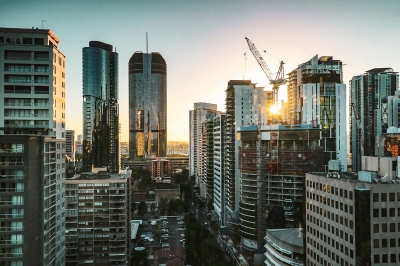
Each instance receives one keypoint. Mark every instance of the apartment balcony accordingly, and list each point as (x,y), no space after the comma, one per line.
(11,177)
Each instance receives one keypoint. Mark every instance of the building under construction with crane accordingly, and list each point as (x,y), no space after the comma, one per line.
(273,158)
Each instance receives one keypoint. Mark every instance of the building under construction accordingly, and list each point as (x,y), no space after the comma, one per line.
(272,163)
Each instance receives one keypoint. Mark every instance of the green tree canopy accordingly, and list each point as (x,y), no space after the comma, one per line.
(142,208)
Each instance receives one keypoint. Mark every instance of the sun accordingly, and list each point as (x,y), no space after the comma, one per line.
(274,109)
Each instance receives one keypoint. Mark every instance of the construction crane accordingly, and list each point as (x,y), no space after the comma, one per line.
(359,128)
(275,82)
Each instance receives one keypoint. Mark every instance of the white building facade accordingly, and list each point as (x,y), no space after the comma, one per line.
(196,117)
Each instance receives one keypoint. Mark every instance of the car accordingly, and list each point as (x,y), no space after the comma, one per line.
(205,223)
(165,245)
(181,222)
(183,235)
(142,236)
(180,218)
(165,235)
(139,248)
(183,245)
(181,229)
(209,228)
(182,240)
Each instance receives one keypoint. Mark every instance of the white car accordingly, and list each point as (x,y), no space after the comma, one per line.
(181,229)
(183,235)
(180,218)
(182,240)
(165,245)
(181,222)
(139,248)
(165,235)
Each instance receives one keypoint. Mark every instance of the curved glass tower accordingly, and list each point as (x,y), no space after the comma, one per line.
(147,106)
(100,107)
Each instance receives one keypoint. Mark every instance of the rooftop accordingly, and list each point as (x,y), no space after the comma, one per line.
(293,236)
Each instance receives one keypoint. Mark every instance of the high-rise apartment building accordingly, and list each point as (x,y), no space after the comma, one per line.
(98,219)
(317,95)
(245,104)
(70,144)
(32,139)
(100,107)
(219,167)
(369,94)
(196,118)
(147,106)
(207,157)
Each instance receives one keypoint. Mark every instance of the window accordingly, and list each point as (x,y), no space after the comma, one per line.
(393,242)
(392,227)
(376,228)
(391,197)
(376,243)
(384,228)
(392,212)
(383,197)
(384,243)
(376,258)
(384,212)
(375,197)
(376,212)
(392,257)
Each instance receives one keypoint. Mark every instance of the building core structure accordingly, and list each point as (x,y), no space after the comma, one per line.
(147,106)
(100,107)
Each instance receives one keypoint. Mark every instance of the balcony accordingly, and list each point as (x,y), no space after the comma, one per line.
(11,177)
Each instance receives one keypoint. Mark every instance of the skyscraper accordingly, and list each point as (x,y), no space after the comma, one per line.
(147,106)
(317,96)
(32,145)
(196,118)
(100,107)
(369,95)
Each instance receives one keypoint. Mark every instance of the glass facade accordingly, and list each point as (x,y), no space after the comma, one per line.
(100,107)
(147,106)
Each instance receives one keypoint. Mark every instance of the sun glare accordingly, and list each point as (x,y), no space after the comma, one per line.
(274,109)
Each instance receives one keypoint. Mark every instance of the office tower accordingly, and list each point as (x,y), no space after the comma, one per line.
(219,167)
(70,144)
(147,106)
(32,139)
(353,221)
(100,107)
(369,102)
(98,219)
(245,104)
(273,160)
(196,117)
(317,95)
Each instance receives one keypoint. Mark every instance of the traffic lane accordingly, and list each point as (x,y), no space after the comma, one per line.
(175,233)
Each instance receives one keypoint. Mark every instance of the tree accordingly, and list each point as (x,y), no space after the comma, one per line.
(139,257)
(201,204)
(163,205)
(142,208)
(152,207)
(133,207)
(210,205)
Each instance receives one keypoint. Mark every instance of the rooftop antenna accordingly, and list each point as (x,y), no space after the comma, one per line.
(245,63)
(42,22)
(147,44)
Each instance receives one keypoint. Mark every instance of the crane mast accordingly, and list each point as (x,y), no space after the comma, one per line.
(279,78)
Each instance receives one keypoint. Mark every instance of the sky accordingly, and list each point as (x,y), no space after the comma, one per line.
(203,42)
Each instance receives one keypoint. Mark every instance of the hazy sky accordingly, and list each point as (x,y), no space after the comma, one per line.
(203,42)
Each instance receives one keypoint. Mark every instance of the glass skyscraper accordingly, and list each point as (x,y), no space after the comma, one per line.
(147,106)
(100,107)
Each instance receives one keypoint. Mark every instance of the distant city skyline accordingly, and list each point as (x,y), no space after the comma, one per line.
(203,43)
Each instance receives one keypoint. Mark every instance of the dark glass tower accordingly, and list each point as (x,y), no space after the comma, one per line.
(147,106)
(100,107)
